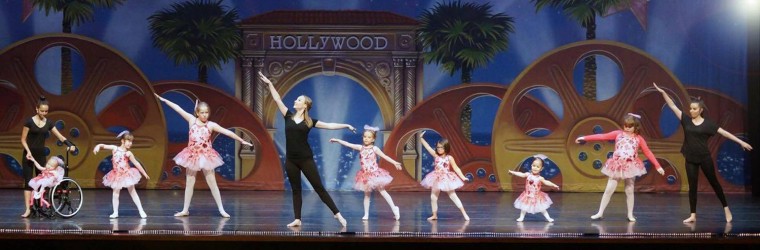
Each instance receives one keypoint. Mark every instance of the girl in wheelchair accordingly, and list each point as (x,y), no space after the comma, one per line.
(50,175)
(122,175)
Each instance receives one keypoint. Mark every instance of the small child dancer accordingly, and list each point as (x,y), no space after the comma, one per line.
(625,163)
(121,175)
(199,155)
(51,175)
(443,179)
(371,177)
(533,200)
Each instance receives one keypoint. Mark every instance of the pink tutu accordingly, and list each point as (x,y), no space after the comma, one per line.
(372,180)
(199,159)
(533,203)
(444,181)
(622,168)
(121,179)
(48,178)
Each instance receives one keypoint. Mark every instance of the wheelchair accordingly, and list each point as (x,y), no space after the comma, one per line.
(65,198)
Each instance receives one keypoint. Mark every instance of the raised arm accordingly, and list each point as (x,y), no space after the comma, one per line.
(137,164)
(103,146)
(348,145)
(669,101)
(456,168)
(328,125)
(219,129)
(187,116)
(732,137)
(518,174)
(60,137)
(549,183)
(426,145)
(650,155)
(382,155)
(276,96)
(600,137)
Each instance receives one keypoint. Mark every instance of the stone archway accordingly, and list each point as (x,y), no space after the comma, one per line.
(374,48)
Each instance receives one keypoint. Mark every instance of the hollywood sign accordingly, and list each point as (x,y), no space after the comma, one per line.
(327,42)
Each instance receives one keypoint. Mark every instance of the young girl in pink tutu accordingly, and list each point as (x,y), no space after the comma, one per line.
(121,175)
(442,178)
(50,175)
(624,163)
(533,200)
(199,155)
(371,177)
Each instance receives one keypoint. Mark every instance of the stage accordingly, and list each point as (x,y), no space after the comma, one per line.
(259,218)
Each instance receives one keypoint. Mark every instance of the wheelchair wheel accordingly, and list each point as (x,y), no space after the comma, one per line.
(67,198)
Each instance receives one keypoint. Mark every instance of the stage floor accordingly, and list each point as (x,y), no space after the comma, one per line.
(262,216)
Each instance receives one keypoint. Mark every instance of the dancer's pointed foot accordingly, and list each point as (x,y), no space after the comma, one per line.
(340,219)
(729,216)
(114,215)
(143,215)
(597,216)
(466,217)
(365,218)
(631,218)
(224,214)
(434,217)
(182,214)
(295,223)
(691,219)
(549,219)
(396,214)
(520,219)
(26,214)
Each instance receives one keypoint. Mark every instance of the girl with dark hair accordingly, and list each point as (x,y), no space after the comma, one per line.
(697,130)
(122,175)
(33,136)
(445,177)
(298,154)
(532,199)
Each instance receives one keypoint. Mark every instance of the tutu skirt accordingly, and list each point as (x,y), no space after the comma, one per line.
(371,180)
(533,203)
(198,160)
(444,181)
(623,169)
(121,179)
(47,179)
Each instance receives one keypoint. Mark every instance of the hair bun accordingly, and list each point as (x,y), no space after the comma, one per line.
(42,98)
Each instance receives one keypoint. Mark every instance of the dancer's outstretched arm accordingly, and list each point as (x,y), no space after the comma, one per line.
(185,115)
(426,145)
(382,155)
(669,101)
(219,129)
(732,137)
(456,168)
(276,96)
(549,183)
(137,164)
(518,174)
(103,146)
(346,144)
(329,125)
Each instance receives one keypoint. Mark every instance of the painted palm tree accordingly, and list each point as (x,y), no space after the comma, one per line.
(198,32)
(462,37)
(75,12)
(585,13)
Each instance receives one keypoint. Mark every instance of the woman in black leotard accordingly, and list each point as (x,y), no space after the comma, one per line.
(33,139)
(299,158)
(697,130)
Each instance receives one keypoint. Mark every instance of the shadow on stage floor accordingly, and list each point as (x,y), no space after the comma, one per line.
(259,217)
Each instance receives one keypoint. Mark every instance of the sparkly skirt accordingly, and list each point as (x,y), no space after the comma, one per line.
(371,180)
(121,179)
(198,160)
(535,203)
(444,181)
(623,168)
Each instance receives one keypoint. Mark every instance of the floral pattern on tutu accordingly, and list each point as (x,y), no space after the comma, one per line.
(625,162)
(48,178)
(199,155)
(533,200)
(371,176)
(441,177)
(121,175)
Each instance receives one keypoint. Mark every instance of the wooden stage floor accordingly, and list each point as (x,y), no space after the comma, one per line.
(260,216)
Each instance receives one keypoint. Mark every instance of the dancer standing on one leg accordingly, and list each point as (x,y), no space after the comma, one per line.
(199,155)
(533,200)
(33,138)
(697,130)
(371,177)
(445,177)
(121,175)
(625,163)
(299,158)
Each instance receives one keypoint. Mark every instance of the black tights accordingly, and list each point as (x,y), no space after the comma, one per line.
(692,173)
(294,168)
